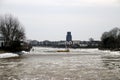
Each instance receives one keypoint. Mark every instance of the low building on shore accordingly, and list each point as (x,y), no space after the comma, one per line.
(63,44)
(34,43)
(1,41)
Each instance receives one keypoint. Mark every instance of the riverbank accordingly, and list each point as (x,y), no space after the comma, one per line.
(6,54)
(3,51)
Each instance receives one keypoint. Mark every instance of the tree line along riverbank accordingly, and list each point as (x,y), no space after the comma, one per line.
(12,35)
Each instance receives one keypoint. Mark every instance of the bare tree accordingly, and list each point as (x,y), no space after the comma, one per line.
(91,39)
(111,39)
(11,29)
(105,35)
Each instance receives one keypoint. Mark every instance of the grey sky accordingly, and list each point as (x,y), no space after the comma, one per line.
(51,19)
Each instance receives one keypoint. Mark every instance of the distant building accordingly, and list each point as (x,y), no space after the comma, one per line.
(94,43)
(90,44)
(34,43)
(74,42)
(84,43)
(47,43)
(68,37)
(1,41)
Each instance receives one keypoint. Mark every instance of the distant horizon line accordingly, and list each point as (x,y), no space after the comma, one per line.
(59,40)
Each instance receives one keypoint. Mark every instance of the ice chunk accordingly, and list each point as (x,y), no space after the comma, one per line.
(8,55)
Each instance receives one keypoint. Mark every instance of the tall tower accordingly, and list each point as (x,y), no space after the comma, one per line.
(68,37)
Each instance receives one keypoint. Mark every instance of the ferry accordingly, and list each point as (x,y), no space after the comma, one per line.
(63,50)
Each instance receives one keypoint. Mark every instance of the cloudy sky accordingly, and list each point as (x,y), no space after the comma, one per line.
(51,19)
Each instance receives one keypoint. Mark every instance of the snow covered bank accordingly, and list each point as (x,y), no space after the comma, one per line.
(8,55)
(24,52)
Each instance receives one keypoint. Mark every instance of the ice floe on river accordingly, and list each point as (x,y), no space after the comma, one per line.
(8,55)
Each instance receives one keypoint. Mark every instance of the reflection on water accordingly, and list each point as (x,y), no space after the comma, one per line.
(47,64)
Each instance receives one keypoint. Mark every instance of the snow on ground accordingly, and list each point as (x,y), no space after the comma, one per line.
(8,55)
(24,52)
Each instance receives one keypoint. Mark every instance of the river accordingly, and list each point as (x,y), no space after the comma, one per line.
(47,64)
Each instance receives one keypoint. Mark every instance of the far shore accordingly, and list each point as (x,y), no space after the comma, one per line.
(102,49)
(3,51)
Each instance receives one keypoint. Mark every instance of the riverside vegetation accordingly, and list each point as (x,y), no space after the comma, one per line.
(111,40)
(13,34)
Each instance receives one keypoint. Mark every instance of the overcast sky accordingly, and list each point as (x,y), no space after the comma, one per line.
(51,19)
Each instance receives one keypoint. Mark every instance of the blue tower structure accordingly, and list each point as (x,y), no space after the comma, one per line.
(69,37)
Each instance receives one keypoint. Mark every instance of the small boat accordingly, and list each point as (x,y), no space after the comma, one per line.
(64,50)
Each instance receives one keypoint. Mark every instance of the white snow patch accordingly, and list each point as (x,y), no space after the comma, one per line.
(8,55)
(24,52)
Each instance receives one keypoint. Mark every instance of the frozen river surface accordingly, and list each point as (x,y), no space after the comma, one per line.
(47,64)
